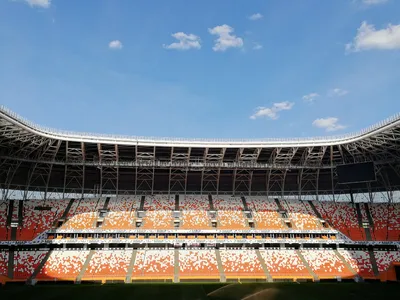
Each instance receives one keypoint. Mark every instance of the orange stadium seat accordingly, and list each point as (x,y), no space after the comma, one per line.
(198,264)
(265,213)
(63,265)
(25,263)
(284,264)
(154,264)
(3,220)
(326,264)
(4,263)
(241,264)
(108,264)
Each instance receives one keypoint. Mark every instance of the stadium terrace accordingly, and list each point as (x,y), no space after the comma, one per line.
(80,207)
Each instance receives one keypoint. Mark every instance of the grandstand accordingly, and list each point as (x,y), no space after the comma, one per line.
(93,208)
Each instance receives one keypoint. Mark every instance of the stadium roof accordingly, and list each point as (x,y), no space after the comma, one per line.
(373,131)
(35,157)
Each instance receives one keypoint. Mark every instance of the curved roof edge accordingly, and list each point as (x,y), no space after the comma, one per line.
(199,142)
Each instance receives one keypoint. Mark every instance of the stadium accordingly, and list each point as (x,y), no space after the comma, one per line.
(83,208)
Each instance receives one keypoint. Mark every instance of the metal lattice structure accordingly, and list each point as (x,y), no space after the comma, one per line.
(34,159)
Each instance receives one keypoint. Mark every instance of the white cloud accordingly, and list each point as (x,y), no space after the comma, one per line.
(116,44)
(310,97)
(39,3)
(185,42)
(257,46)
(373,2)
(336,92)
(272,112)
(255,17)
(369,38)
(329,124)
(226,39)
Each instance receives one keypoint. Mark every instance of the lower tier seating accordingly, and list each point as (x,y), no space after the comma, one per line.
(198,264)
(63,265)
(241,264)
(360,261)
(3,263)
(160,264)
(326,264)
(154,264)
(385,258)
(25,263)
(284,264)
(108,264)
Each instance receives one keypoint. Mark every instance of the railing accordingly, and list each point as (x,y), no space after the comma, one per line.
(138,139)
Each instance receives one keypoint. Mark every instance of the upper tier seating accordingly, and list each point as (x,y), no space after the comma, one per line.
(3,263)
(394,222)
(265,213)
(157,264)
(230,212)
(83,213)
(227,203)
(122,212)
(360,261)
(231,220)
(302,215)
(25,263)
(35,221)
(3,220)
(342,216)
(159,212)
(108,264)
(159,203)
(284,264)
(385,258)
(241,263)
(63,265)
(15,210)
(198,264)
(194,212)
(380,214)
(326,264)
(162,219)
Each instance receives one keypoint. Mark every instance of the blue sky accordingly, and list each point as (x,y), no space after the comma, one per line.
(210,68)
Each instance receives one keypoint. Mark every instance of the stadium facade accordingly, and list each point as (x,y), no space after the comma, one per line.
(163,209)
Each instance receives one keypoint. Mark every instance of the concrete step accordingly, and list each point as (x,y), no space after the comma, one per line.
(315,277)
(105,206)
(373,262)
(368,234)
(245,203)
(220,267)
(10,212)
(340,256)
(128,278)
(264,266)
(141,207)
(84,267)
(10,267)
(176,202)
(32,280)
(315,210)
(14,233)
(369,216)
(359,215)
(176,265)
(20,212)
(210,200)
(280,207)
(65,214)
